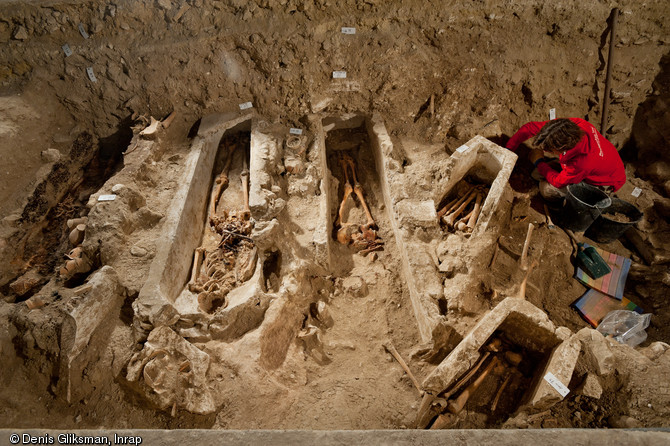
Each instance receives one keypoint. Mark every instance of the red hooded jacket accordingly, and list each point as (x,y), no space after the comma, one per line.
(593,160)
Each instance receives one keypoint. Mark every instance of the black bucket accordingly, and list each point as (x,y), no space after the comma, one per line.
(606,228)
(583,205)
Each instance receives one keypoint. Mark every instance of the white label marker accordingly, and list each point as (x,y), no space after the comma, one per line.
(552,114)
(462,148)
(636,192)
(91,76)
(107,197)
(556,384)
(348,30)
(339,74)
(82,31)
(295,131)
(67,50)
(246,106)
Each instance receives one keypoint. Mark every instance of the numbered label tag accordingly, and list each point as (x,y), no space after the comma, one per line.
(82,31)
(552,114)
(111,197)
(556,384)
(339,74)
(246,106)
(91,75)
(67,50)
(295,131)
(636,192)
(348,30)
(462,148)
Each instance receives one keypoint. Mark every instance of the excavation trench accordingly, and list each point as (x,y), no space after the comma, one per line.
(59,199)
(309,274)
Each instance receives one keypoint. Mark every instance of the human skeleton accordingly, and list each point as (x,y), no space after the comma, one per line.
(218,270)
(362,237)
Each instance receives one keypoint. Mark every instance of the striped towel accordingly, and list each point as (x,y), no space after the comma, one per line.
(594,306)
(613,283)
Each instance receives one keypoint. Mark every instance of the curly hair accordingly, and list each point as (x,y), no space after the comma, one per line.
(559,134)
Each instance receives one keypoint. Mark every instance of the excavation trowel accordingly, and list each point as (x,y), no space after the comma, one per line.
(589,260)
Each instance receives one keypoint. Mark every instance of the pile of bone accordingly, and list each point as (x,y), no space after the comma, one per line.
(76,261)
(502,364)
(461,213)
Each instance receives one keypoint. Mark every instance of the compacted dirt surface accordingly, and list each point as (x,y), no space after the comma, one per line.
(317,352)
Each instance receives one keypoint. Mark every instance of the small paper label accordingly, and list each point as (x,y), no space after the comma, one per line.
(67,50)
(83,32)
(246,106)
(111,197)
(636,192)
(91,75)
(462,148)
(339,74)
(295,131)
(556,384)
(552,113)
(348,30)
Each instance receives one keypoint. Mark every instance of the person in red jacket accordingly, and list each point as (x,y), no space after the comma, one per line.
(584,155)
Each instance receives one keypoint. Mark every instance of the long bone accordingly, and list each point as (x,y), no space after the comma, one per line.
(358,190)
(221,181)
(467,376)
(451,218)
(461,224)
(446,207)
(493,346)
(499,394)
(475,212)
(457,405)
(348,189)
(449,208)
(198,257)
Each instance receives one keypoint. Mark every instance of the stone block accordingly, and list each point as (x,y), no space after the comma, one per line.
(590,387)
(417,214)
(561,364)
(597,354)
(520,320)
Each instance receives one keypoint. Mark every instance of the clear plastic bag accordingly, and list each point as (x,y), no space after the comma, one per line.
(625,326)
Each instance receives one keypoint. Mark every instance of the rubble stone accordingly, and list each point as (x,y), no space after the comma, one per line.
(50,155)
(417,214)
(161,365)
(597,353)
(20,33)
(138,251)
(355,286)
(591,387)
